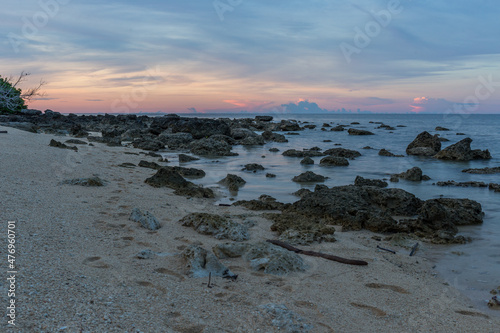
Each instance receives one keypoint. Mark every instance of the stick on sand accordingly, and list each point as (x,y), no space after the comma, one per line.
(317,254)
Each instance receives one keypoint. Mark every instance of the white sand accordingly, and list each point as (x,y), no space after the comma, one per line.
(78,271)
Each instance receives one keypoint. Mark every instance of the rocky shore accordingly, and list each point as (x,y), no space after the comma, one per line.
(113,239)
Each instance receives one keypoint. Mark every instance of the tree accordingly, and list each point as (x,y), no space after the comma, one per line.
(12,98)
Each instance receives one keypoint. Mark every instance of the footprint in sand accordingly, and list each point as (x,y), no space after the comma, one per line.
(375,311)
(149,284)
(387,286)
(95,262)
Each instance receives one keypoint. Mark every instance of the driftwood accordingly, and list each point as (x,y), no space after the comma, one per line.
(381,248)
(414,249)
(317,254)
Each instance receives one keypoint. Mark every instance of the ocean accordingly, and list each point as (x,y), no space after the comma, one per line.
(473,268)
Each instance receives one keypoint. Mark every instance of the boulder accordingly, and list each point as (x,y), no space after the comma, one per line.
(342,152)
(356,131)
(169,177)
(413,174)
(289,126)
(307,161)
(183,158)
(147,220)
(211,147)
(275,137)
(253,167)
(424,144)
(338,128)
(233,182)
(150,165)
(385,152)
(333,161)
(146,144)
(176,140)
(216,225)
(439,128)
(461,151)
(309,177)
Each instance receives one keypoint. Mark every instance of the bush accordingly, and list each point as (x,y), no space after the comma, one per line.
(12,98)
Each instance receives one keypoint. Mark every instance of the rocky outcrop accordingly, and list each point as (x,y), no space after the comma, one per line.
(333,161)
(360,181)
(147,220)
(342,152)
(211,147)
(216,225)
(309,177)
(176,140)
(461,151)
(200,128)
(424,144)
(483,171)
(414,174)
(356,131)
(233,182)
(146,144)
(275,137)
(265,202)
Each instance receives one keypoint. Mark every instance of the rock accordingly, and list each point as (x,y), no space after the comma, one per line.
(273,259)
(308,177)
(57,144)
(484,171)
(176,140)
(443,139)
(127,165)
(146,144)
(270,175)
(31,112)
(495,187)
(360,181)
(187,172)
(92,181)
(356,207)
(460,133)
(424,144)
(384,152)
(217,226)
(446,214)
(200,128)
(201,263)
(275,137)
(274,150)
(265,202)
(169,177)
(295,229)
(307,160)
(302,153)
(461,151)
(150,165)
(264,118)
(112,142)
(241,133)
(333,161)
(355,131)
(76,142)
(230,250)
(253,141)
(233,182)
(302,192)
(288,126)
(211,147)
(183,158)
(494,303)
(338,128)
(310,126)
(253,167)
(342,152)
(439,128)
(147,220)
(462,184)
(413,174)
(283,319)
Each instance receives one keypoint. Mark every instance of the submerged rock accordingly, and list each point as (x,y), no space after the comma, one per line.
(232,182)
(385,152)
(334,161)
(147,220)
(216,225)
(356,131)
(183,158)
(307,161)
(342,152)
(302,153)
(483,171)
(309,177)
(461,151)
(462,184)
(253,167)
(424,144)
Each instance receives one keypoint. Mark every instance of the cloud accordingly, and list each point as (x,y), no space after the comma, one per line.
(303,106)
(192,110)
(95,100)
(435,105)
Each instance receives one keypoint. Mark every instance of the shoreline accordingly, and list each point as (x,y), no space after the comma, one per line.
(80,240)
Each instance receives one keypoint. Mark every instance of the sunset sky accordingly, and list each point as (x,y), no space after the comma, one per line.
(256,55)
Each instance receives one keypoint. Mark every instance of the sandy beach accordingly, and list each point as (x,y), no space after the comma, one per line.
(78,270)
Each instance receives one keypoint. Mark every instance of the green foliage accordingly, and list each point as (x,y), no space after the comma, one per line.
(11,100)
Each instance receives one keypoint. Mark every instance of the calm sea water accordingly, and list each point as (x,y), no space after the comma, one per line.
(473,268)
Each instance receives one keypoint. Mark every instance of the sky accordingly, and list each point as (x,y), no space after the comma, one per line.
(400,56)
